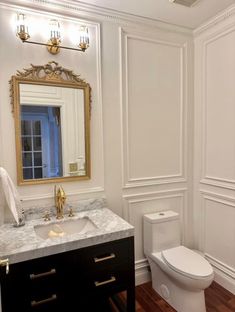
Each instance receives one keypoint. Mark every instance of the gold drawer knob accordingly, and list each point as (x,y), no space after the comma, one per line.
(111,280)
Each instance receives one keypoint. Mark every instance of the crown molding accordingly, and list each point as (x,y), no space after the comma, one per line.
(83,10)
(222,16)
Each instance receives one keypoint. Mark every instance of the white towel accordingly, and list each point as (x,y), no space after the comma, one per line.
(11,194)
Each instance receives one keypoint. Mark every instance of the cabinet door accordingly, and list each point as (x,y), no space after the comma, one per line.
(31,286)
(13,290)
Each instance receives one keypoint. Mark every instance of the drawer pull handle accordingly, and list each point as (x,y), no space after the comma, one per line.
(34,276)
(5,262)
(111,280)
(37,303)
(111,256)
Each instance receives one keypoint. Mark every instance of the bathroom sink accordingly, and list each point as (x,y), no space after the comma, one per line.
(67,227)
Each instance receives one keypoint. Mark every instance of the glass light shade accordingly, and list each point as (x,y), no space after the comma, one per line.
(54,29)
(22,27)
(84,38)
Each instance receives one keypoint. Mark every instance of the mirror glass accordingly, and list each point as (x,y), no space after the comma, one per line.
(52,128)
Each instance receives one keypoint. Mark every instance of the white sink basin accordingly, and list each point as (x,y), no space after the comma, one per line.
(67,227)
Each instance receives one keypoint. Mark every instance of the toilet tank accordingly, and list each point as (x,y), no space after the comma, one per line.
(161,231)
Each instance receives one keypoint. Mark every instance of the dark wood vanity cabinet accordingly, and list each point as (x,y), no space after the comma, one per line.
(78,280)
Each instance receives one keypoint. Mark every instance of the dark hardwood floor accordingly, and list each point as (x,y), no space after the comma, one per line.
(218,299)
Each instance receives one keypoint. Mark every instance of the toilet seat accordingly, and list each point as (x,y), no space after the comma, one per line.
(187,262)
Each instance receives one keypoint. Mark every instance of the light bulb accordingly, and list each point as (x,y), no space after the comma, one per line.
(22,27)
(54,31)
(84,38)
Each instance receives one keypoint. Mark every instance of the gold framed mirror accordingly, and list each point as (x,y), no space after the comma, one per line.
(51,107)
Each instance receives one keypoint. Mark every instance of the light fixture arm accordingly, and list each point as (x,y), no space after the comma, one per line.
(55,46)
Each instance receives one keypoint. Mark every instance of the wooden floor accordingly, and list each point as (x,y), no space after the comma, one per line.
(218,299)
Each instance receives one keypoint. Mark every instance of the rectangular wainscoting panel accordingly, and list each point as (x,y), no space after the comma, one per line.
(219,231)
(153,80)
(139,205)
(219,109)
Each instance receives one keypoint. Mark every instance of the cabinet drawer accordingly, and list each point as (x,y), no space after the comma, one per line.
(43,282)
(48,302)
(41,277)
(102,257)
(106,281)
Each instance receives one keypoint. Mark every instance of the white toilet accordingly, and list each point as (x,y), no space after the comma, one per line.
(179,275)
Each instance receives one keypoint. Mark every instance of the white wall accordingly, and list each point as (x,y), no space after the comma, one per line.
(144,117)
(214,166)
(15,56)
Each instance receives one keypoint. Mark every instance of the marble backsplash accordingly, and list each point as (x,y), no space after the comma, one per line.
(77,206)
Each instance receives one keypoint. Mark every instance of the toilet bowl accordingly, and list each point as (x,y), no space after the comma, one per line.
(179,275)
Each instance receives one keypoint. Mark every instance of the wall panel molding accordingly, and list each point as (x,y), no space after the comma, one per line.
(219,18)
(218,198)
(206,178)
(214,197)
(224,273)
(218,183)
(150,196)
(142,272)
(221,266)
(214,178)
(84,191)
(136,205)
(180,176)
(153,181)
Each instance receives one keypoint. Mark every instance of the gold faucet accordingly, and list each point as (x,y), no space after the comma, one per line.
(60,198)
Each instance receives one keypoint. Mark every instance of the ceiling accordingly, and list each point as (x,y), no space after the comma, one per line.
(163,10)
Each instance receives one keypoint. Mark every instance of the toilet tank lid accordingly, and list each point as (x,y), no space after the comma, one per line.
(161,216)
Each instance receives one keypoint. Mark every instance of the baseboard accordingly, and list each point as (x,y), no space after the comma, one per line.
(225,281)
(142,272)
(224,275)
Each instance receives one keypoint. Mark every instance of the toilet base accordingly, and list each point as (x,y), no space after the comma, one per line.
(182,300)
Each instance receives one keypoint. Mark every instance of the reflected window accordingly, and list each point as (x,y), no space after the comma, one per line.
(41,142)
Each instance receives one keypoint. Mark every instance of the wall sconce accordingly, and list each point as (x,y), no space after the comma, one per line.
(53,44)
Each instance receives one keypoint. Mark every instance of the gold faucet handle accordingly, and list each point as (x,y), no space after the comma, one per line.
(47,216)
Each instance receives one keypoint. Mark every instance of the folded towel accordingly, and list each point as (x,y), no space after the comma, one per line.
(11,194)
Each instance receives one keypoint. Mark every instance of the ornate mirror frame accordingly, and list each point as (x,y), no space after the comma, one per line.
(51,74)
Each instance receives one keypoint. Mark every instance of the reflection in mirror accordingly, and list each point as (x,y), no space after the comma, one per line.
(41,142)
(52,133)
(55,112)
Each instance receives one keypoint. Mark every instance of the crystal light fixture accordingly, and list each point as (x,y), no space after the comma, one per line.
(84,38)
(54,43)
(22,27)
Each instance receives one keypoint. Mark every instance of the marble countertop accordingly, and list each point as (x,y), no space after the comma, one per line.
(22,243)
